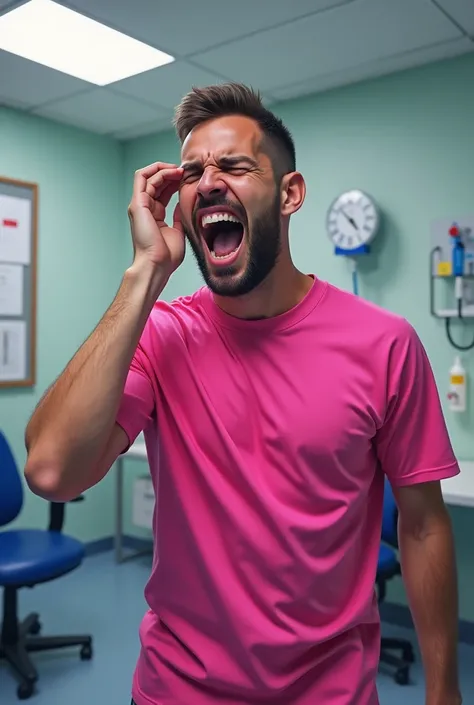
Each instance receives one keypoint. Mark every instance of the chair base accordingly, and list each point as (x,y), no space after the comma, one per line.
(17,651)
(402,663)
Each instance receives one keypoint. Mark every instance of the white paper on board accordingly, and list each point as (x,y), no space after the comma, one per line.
(12,351)
(15,229)
(11,289)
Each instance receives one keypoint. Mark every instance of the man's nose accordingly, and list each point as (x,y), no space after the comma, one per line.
(211,184)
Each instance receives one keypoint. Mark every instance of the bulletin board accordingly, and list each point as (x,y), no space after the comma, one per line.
(18,267)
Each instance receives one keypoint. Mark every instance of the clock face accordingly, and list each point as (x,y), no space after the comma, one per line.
(352,220)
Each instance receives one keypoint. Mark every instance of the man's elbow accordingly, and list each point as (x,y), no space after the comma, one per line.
(420,528)
(46,480)
(421,511)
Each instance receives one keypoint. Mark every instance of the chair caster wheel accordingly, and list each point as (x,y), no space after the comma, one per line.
(25,690)
(402,676)
(35,628)
(86,652)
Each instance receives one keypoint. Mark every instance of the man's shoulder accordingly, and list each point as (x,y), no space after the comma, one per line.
(366,327)
(178,313)
(179,304)
(366,315)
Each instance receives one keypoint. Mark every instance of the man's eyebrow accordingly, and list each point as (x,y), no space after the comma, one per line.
(195,164)
(237,159)
(228,161)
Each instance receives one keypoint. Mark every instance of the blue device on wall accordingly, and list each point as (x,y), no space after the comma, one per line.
(458,253)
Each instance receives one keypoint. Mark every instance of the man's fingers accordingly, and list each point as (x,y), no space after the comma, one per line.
(157,183)
(174,172)
(154,168)
(168,191)
(142,175)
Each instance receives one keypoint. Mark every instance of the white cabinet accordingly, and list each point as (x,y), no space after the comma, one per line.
(143,502)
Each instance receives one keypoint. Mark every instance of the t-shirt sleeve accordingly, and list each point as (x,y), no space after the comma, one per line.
(413,444)
(137,405)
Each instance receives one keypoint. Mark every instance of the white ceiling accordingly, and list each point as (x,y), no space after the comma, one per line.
(285,48)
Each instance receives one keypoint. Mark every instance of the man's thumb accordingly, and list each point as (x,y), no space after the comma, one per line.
(177,223)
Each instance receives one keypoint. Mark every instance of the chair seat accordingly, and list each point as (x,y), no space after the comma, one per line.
(388,561)
(29,556)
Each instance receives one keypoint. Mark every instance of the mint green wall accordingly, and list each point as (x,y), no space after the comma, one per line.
(408,140)
(81,256)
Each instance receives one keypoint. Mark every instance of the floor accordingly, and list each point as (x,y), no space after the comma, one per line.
(107,600)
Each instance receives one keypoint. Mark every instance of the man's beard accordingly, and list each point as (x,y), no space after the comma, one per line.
(264,247)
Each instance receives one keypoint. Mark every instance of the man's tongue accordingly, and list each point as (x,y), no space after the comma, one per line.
(226,242)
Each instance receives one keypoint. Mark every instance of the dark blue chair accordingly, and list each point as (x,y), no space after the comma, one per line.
(389,567)
(29,557)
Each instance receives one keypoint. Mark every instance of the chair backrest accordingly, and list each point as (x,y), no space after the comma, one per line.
(389,518)
(11,488)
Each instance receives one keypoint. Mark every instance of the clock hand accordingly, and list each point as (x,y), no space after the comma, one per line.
(351,220)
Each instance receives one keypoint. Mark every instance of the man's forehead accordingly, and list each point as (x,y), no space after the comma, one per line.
(223,137)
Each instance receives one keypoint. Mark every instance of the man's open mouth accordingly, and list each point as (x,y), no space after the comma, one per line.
(223,234)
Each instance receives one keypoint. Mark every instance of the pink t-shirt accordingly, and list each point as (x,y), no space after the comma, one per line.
(268,443)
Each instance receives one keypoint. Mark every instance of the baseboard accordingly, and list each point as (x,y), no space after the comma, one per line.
(100,546)
(107,544)
(390,612)
(400,615)
(137,544)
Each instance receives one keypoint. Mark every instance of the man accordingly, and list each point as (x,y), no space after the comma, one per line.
(273,406)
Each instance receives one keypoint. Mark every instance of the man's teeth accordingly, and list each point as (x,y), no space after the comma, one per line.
(217,217)
(213,254)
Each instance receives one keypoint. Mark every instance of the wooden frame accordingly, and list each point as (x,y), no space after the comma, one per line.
(30,191)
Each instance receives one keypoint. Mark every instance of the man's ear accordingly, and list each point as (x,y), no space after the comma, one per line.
(293,192)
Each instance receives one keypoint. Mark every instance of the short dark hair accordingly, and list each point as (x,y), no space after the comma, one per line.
(203,104)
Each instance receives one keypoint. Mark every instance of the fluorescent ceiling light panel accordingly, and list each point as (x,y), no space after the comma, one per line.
(53,35)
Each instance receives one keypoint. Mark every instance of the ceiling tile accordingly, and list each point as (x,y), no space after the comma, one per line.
(382,67)
(32,84)
(337,42)
(9,4)
(166,85)
(101,110)
(188,26)
(462,11)
(360,32)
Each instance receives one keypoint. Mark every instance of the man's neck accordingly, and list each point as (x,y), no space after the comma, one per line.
(278,293)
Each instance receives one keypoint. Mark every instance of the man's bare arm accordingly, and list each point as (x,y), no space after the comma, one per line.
(72,438)
(429,572)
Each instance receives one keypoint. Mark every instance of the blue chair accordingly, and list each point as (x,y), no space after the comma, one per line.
(388,567)
(29,557)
